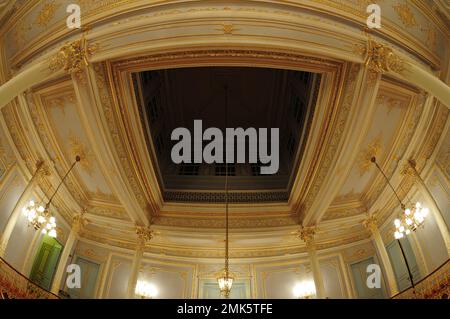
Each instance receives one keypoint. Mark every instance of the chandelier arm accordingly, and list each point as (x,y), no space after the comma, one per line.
(373,160)
(77,159)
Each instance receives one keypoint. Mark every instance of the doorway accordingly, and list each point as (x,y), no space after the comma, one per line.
(45,262)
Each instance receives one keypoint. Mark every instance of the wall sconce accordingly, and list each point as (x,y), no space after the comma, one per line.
(146,290)
(304,290)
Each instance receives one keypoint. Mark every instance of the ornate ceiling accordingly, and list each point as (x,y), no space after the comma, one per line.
(256,98)
(95,113)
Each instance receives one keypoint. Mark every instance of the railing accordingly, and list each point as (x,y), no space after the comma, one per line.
(434,286)
(14,285)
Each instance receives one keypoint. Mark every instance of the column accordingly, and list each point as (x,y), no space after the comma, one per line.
(77,226)
(144,234)
(371,224)
(348,285)
(418,252)
(307,235)
(434,209)
(41,170)
(132,281)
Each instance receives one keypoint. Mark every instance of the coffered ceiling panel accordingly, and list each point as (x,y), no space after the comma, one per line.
(384,138)
(63,135)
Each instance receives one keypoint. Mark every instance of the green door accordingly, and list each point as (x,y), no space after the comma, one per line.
(45,262)
(360,274)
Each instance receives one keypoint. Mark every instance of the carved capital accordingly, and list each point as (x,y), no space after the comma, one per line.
(370,223)
(79,222)
(382,59)
(71,58)
(144,234)
(307,235)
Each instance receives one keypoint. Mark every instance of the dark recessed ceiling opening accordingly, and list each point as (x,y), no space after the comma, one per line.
(226,97)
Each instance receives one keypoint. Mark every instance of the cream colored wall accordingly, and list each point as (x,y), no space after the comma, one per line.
(264,277)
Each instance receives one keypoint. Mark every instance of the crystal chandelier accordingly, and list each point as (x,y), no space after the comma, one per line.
(304,290)
(225,280)
(411,219)
(146,290)
(40,217)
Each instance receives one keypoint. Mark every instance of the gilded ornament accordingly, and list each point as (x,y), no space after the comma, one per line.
(78,148)
(71,58)
(144,234)
(307,234)
(405,14)
(46,14)
(373,149)
(79,222)
(370,223)
(382,59)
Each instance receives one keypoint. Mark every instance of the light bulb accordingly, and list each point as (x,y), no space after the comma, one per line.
(397,223)
(44,231)
(401,229)
(407,211)
(52,220)
(52,233)
(31,203)
(407,232)
(408,221)
(41,209)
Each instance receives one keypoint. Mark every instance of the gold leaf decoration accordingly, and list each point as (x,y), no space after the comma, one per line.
(405,14)
(373,149)
(78,148)
(46,14)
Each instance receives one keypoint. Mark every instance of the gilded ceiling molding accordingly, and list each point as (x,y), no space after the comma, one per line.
(16,131)
(115,113)
(336,133)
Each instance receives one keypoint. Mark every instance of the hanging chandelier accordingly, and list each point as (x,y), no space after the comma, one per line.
(225,280)
(39,217)
(411,218)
